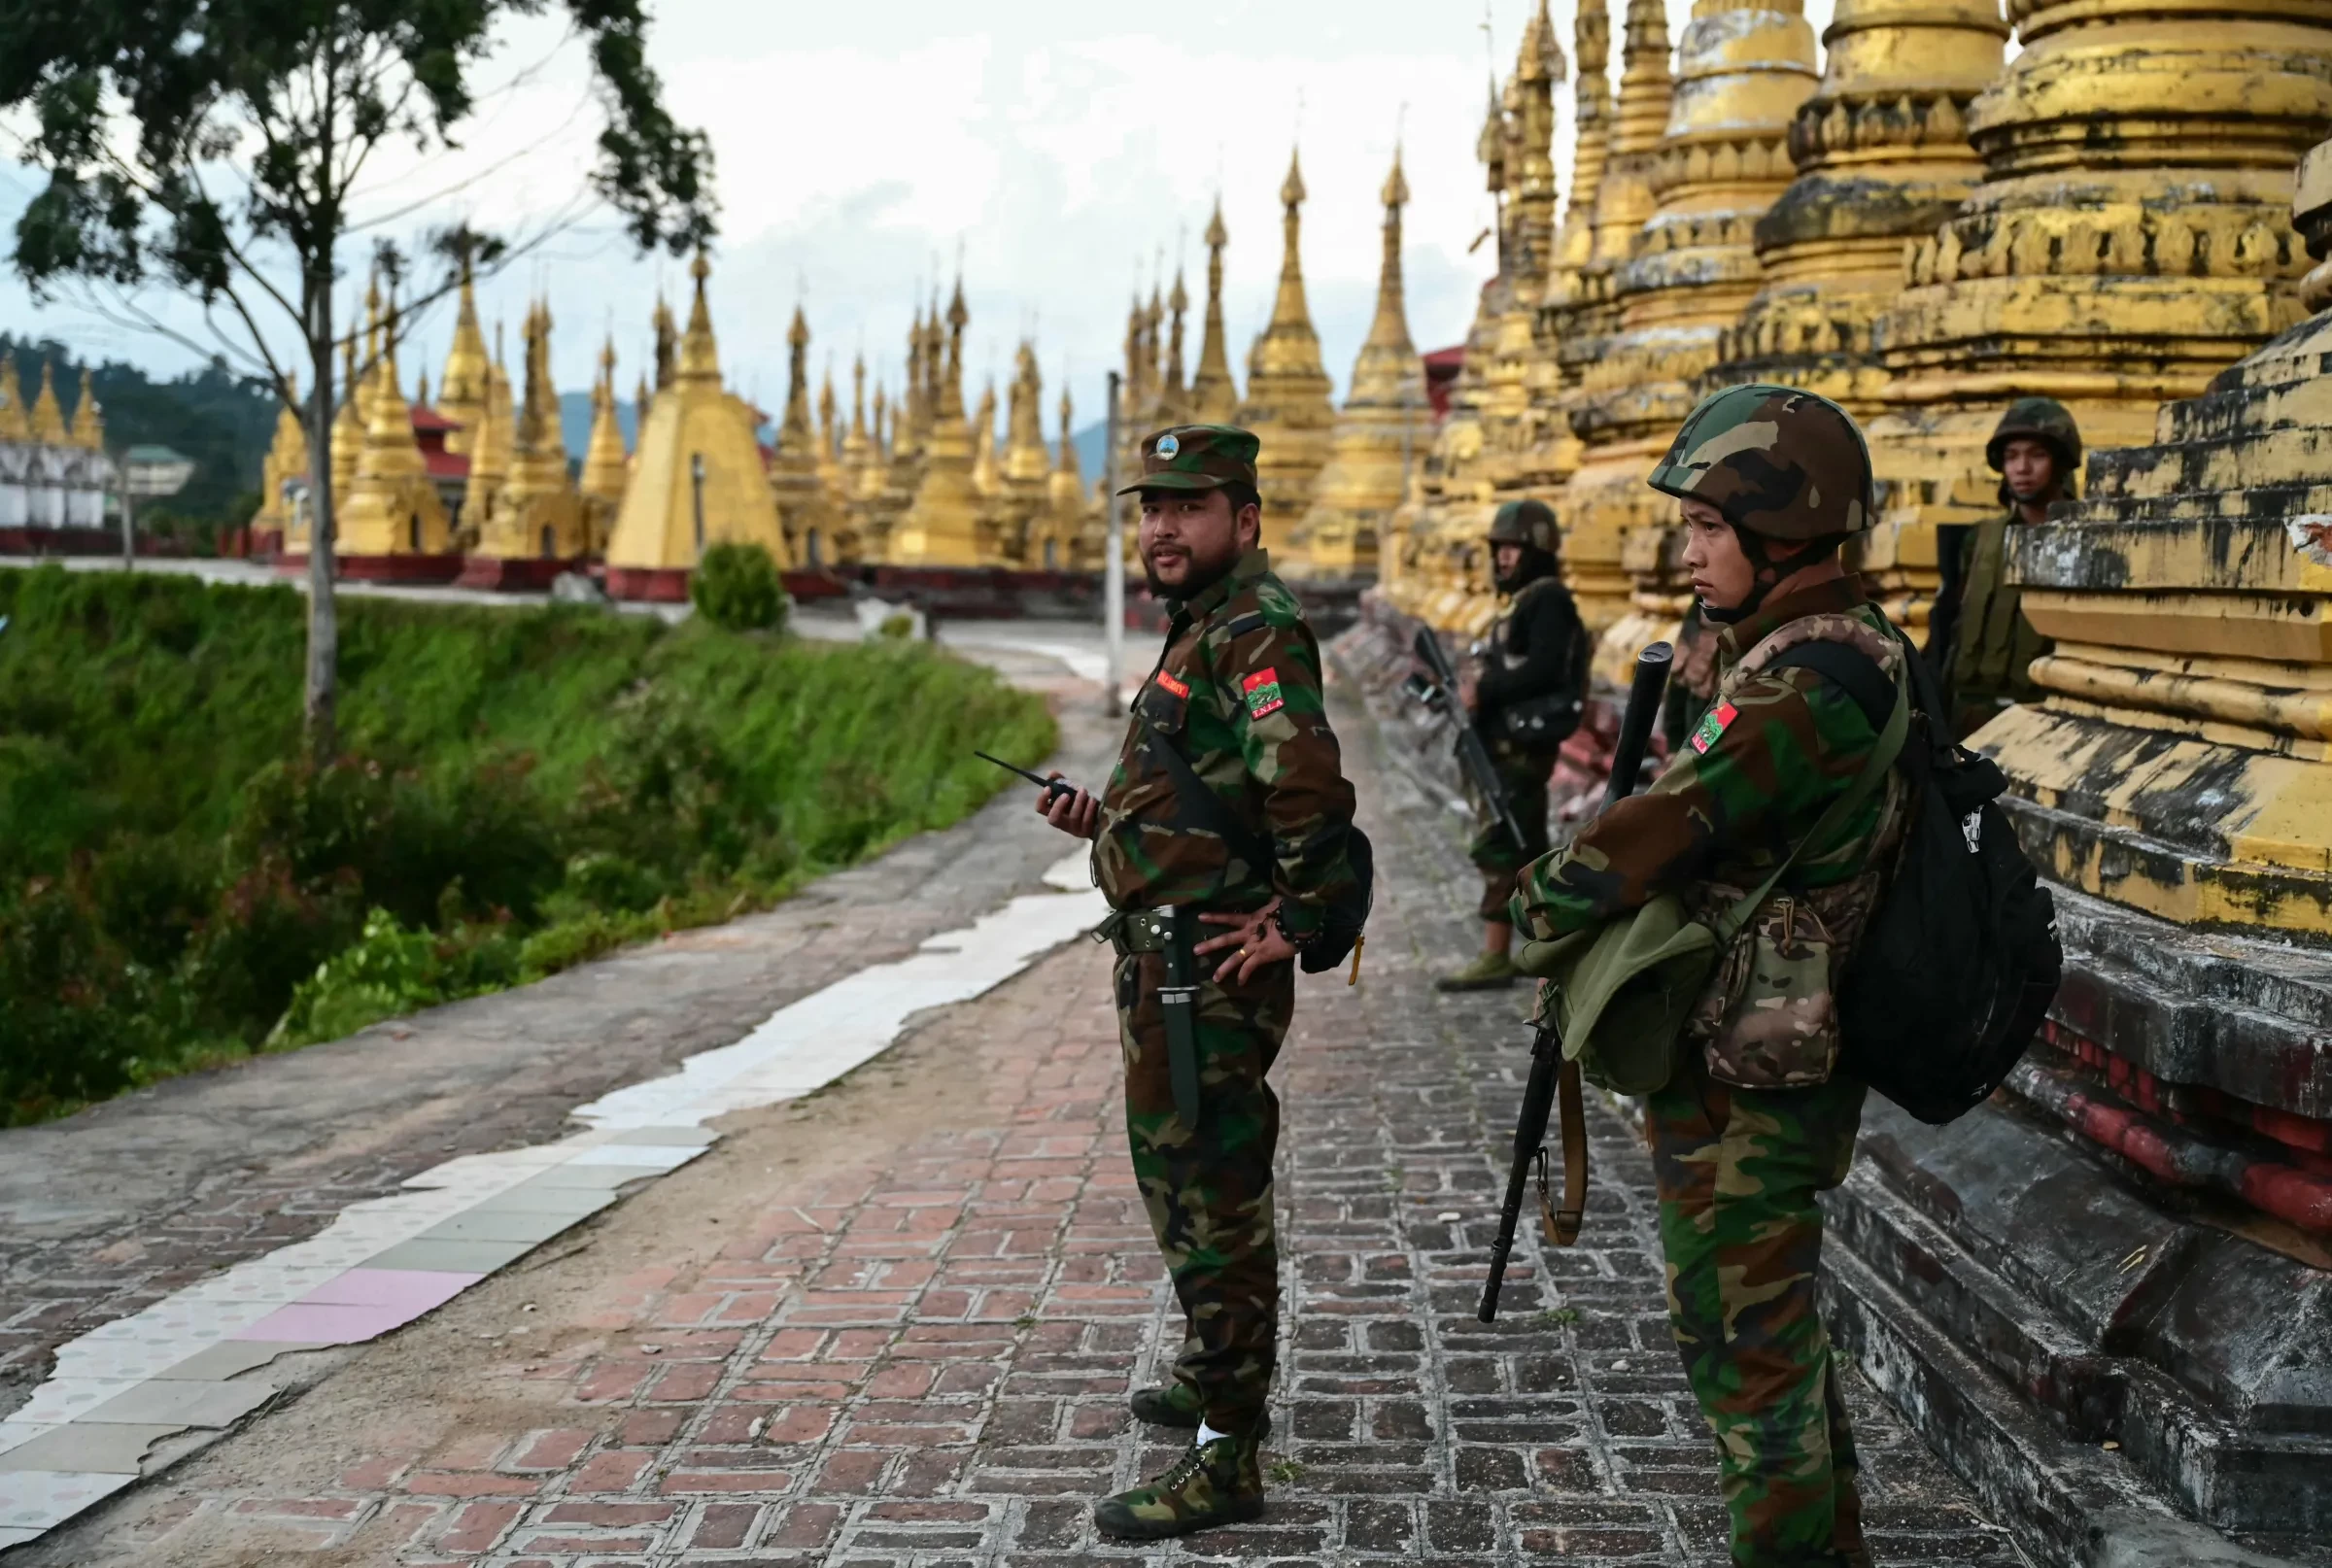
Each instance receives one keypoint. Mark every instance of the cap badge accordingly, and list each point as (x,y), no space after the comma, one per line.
(1168,446)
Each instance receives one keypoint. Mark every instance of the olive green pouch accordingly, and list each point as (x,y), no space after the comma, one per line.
(1621,994)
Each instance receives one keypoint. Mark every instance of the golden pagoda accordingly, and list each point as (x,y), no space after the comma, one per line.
(941,526)
(604,461)
(1286,404)
(537,515)
(48,419)
(1511,425)
(15,424)
(805,506)
(1381,433)
(88,420)
(1883,160)
(348,439)
(988,478)
(1025,471)
(490,446)
(393,522)
(667,345)
(282,470)
(697,474)
(1214,395)
(2130,239)
(830,437)
(464,383)
(1743,72)
(1063,536)
(861,461)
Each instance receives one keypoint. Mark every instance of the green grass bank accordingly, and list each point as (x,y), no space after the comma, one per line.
(520,789)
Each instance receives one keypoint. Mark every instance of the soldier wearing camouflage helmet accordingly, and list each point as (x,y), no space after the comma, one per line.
(1981,644)
(1770,482)
(1227,820)
(1523,691)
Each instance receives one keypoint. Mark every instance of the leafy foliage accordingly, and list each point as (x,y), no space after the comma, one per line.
(522,789)
(737,585)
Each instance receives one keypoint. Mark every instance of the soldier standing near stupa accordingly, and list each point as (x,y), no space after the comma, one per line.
(1983,645)
(1228,809)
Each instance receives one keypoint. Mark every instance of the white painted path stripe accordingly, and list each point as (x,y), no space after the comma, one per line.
(171,1374)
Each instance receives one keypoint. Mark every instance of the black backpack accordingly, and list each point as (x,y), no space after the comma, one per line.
(1343,919)
(1955,971)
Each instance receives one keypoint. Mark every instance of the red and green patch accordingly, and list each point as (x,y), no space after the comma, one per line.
(1713,725)
(1262,690)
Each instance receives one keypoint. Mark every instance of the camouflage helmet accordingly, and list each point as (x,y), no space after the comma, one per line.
(2037,419)
(1777,461)
(1530,522)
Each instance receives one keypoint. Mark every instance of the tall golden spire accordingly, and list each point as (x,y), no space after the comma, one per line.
(1173,397)
(1214,395)
(16,423)
(462,384)
(88,421)
(1590,119)
(797,437)
(1380,434)
(489,451)
(347,426)
(796,473)
(942,526)
(391,509)
(1288,390)
(829,438)
(1025,461)
(985,478)
(700,355)
(1539,69)
(668,342)
(604,461)
(856,442)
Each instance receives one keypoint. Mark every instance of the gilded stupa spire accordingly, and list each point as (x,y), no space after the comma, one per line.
(489,452)
(1539,69)
(857,442)
(392,507)
(668,343)
(830,435)
(1178,303)
(1025,463)
(700,355)
(1624,196)
(1135,389)
(1214,395)
(941,525)
(15,424)
(88,421)
(796,436)
(1288,390)
(985,477)
(1590,119)
(951,389)
(604,461)
(348,425)
(462,384)
(1065,462)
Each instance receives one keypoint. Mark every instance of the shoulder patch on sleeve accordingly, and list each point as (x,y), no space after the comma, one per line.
(1713,725)
(1167,680)
(1262,690)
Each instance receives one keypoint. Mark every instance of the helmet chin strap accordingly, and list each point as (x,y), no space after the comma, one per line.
(1769,575)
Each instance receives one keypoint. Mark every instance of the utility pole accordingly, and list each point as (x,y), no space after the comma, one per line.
(129,538)
(1112,566)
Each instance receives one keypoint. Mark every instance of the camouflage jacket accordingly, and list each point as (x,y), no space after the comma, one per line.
(1992,645)
(1775,748)
(1237,693)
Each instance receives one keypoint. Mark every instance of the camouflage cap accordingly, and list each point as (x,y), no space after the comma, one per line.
(1530,522)
(1197,456)
(2037,419)
(1777,461)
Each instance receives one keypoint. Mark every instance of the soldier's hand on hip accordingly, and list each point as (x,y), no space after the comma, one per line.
(1255,942)
(1075,812)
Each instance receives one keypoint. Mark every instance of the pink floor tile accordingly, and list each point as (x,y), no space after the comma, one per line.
(417,1290)
(330,1323)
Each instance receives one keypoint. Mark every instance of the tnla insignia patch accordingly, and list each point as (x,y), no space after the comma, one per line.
(1262,690)
(1713,725)
(1171,684)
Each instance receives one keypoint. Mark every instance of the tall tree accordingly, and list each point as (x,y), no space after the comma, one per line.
(216,145)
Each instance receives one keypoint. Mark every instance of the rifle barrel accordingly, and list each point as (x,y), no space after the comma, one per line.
(1644,692)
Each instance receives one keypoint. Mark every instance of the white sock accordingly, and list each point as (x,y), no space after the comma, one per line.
(1208,1434)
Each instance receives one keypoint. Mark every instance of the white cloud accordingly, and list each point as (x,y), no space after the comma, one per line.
(1063,146)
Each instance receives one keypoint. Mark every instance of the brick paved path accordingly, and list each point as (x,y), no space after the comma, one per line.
(917,1351)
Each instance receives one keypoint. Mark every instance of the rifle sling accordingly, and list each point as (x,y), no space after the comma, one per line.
(1562,1224)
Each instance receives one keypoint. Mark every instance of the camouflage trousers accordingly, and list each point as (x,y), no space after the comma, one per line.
(1209,1191)
(1738,1171)
(1523,775)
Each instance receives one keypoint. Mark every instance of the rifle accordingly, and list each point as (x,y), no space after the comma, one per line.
(1435,692)
(1550,1074)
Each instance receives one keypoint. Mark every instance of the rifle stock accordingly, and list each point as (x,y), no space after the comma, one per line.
(1473,756)
(1547,1066)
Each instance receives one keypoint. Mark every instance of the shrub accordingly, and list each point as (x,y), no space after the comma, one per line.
(736,588)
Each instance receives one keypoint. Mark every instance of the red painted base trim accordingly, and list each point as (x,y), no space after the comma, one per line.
(514,574)
(105,541)
(815,583)
(380,569)
(658,585)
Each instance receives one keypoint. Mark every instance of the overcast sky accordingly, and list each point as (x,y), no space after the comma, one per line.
(1063,146)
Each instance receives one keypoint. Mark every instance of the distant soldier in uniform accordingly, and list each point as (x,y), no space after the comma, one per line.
(1533,664)
(1229,808)
(1983,645)
(1770,482)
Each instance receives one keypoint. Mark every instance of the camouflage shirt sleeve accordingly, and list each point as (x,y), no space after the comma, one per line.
(1267,681)
(1745,788)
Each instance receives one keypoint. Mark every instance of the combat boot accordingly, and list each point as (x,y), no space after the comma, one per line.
(1220,1481)
(1488,971)
(1174,1404)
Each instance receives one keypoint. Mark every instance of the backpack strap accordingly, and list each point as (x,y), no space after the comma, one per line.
(1209,807)
(1850,670)
(1882,756)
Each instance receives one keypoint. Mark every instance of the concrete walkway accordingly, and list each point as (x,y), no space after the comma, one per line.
(895,1322)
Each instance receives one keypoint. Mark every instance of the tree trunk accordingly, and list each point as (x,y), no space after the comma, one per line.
(324,616)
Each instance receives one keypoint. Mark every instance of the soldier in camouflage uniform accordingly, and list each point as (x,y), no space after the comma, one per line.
(1983,645)
(1535,654)
(1234,709)
(1757,1123)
